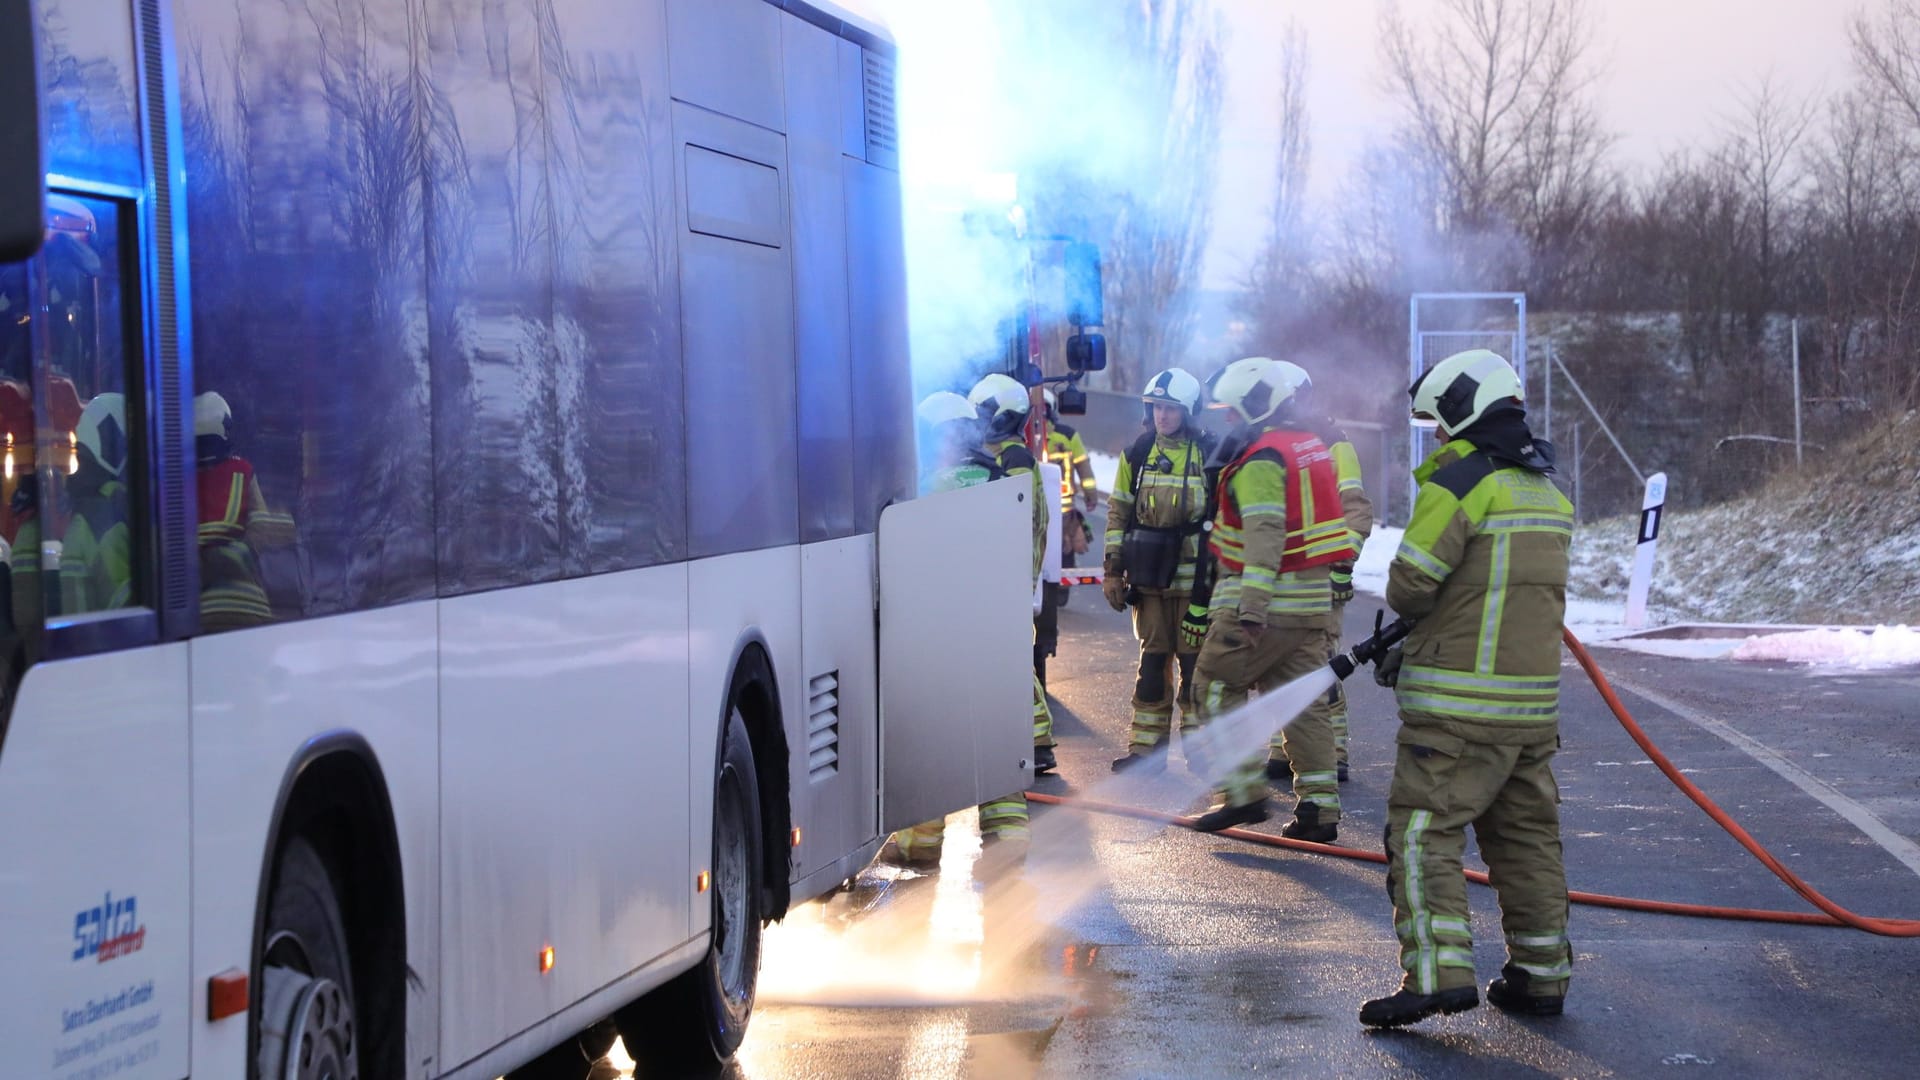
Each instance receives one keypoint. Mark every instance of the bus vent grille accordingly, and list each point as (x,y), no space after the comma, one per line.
(823,726)
(883,138)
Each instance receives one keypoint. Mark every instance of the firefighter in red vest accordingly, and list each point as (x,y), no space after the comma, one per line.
(1277,532)
(234,524)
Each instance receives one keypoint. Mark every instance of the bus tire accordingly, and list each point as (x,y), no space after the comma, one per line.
(307,1023)
(692,1025)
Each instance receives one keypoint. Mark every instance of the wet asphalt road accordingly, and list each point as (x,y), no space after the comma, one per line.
(1137,950)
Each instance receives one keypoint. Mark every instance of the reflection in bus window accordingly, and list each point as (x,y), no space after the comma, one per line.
(236,526)
(77,509)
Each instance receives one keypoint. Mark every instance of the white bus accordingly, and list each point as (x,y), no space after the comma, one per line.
(460,579)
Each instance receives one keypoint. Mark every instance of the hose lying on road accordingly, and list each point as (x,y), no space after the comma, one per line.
(1835,915)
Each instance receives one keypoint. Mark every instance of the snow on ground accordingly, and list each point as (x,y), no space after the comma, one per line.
(1370,569)
(1593,620)
(1884,646)
(1106,467)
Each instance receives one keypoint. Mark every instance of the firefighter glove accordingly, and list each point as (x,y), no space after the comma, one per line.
(1115,589)
(1193,628)
(1342,582)
(1386,670)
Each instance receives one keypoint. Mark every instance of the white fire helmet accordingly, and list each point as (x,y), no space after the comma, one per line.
(1172,387)
(102,432)
(1456,392)
(1255,388)
(1002,403)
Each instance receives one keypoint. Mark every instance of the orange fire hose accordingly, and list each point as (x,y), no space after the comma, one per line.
(1835,915)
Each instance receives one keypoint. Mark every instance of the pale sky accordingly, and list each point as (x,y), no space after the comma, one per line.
(1673,69)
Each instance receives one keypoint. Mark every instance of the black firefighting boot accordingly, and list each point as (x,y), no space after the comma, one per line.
(1280,771)
(1156,763)
(1509,993)
(1043,760)
(1225,817)
(1306,825)
(1407,1007)
(1151,756)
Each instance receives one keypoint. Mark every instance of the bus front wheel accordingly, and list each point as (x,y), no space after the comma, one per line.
(694,1024)
(306,1015)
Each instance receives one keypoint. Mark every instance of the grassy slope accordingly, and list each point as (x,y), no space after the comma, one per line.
(1839,543)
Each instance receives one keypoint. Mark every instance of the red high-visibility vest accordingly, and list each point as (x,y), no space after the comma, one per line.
(1316,526)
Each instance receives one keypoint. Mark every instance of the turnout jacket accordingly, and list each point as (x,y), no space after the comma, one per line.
(1483,568)
(1065,449)
(1013,458)
(1354,503)
(1169,492)
(1267,521)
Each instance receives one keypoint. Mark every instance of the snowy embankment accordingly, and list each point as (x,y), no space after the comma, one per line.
(1602,621)
(1839,546)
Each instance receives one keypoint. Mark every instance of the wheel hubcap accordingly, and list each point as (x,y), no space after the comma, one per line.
(306,1028)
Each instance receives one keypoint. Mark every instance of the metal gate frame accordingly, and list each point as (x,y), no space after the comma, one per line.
(1417,450)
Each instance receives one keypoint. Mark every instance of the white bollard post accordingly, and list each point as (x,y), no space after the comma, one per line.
(1651,506)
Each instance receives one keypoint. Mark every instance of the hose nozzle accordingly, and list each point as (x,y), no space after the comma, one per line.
(1371,649)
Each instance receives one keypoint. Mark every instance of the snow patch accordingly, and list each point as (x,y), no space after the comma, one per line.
(1106,469)
(1884,646)
(1370,569)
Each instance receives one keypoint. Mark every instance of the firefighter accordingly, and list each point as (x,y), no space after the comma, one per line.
(1004,406)
(951,424)
(1358,510)
(235,523)
(1483,568)
(1154,521)
(1079,494)
(96,570)
(1277,531)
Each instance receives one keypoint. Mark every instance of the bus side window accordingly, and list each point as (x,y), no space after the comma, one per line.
(82,459)
(18,608)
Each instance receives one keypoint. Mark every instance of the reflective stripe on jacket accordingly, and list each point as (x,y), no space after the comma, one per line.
(1483,568)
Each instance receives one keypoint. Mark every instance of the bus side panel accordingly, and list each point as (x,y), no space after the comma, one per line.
(823,347)
(883,464)
(259,697)
(94,903)
(566,787)
(835,741)
(754,595)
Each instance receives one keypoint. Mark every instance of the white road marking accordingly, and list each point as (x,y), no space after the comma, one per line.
(1902,849)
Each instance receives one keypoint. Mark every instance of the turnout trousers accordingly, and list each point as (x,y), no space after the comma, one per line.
(1002,819)
(1156,623)
(1337,710)
(1230,667)
(1441,785)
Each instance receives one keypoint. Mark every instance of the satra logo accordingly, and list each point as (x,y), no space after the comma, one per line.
(108,930)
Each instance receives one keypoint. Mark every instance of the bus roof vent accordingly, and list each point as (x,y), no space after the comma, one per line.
(883,137)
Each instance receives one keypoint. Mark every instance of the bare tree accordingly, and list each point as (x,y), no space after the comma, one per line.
(1277,282)
(1163,218)
(1887,52)
(1480,86)
(1763,152)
